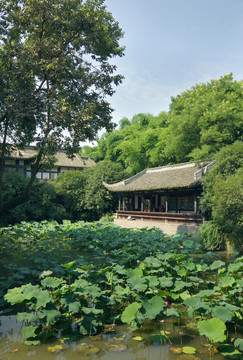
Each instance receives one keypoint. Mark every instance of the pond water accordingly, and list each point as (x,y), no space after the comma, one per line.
(12,345)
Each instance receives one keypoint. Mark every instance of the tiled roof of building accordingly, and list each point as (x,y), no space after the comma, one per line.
(62,159)
(164,177)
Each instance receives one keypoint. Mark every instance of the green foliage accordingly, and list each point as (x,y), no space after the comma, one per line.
(223,195)
(116,287)
(42,204)
(59,66)
(97,200)
(137,144)
(70,188)
(211,236)
(83,194)
(204,119)
(214,329)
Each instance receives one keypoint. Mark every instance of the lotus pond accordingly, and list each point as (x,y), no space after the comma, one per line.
(71,291)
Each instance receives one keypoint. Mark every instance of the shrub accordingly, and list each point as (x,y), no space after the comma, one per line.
(211,236)
(42,204)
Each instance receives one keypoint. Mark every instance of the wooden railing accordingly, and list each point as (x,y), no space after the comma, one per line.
(180,218)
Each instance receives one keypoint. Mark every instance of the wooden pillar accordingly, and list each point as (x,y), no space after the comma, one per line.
(119,202)
(142,204)
(195,204)
(156,202)
(152,203)
(136,206)
(166,204)
(123,203)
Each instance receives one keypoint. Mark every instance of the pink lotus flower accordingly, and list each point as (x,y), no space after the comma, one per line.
(181,247)
(166,302)
(138,261)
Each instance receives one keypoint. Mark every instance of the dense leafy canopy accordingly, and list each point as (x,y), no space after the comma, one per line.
(54,58)
(223,191)
(83,194)
(199,123)
(74,195)
(204,119)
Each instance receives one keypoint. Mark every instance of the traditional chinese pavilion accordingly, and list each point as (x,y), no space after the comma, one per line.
(166,194)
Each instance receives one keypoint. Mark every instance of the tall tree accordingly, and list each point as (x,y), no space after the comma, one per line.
(223,192)
(17,94)
(66,46)
(204,119)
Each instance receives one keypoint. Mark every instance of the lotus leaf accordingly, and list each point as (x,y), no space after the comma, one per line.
(120,291)
(137,338)
(55,348)
(119,338)
(85,349)
(116,347)
(134,272)
(26,317)
(222,313)
(29,331)
(175,350)
(15,295)
(189,357)
(179,285)
(68,265)
(193,301)
(94,291)
(153,281)
(109,328)
(96,337)
(230,351)
(89,325)
(153,262)
(120,269)
(52,282)
(239,343)
(43,298)
(185,295)
(205,293)
(137,283)
(45,273)
(70,303)
(51,316)
(130,312)
(217,264)
(172,312)
(162,339)
(32,342)
(166,282)
(226,281)
(214,329)
(189,265)
(92,310)
(188,350)
(188,243)
(240,282)
(234,267)
(153,307)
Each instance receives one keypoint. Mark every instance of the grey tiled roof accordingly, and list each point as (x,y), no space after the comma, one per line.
(164,177)
(62,159)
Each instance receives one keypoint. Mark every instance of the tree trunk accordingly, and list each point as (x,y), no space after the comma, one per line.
(34,171)
(3,153)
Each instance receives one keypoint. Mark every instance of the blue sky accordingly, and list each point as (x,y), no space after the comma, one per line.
(172,45)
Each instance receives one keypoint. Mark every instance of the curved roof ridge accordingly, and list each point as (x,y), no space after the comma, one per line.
(164,177)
